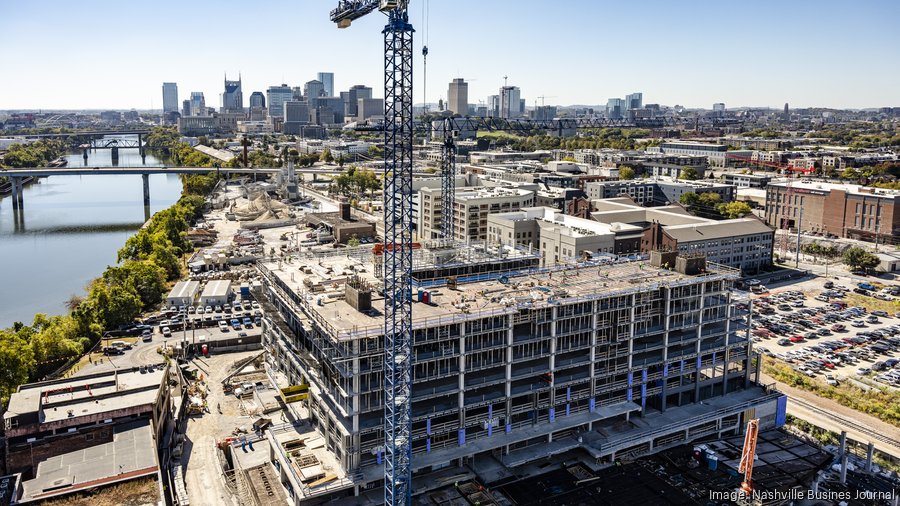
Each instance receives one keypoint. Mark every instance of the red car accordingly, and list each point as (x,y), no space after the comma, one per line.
(837,327)
(796,339)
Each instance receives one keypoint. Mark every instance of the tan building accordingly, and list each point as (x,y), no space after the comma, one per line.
(471,209)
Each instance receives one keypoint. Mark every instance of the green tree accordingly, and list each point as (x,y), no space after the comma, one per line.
(353,241)
(689,174)
(689,199)
(326,156)
(146,278)
(204,140)
(734,210)
(112,306)
(626,172)
(16,362)
(858,258)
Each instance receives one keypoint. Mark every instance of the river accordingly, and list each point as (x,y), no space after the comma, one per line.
(70,231)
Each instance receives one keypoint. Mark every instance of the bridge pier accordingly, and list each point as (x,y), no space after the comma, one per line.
(114,155)
(141,150)
(17,190)
(84,154)
(146,178)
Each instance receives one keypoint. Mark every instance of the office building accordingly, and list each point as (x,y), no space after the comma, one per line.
(170,97)
(312,90)
(233,97)
(276,96)
(351,103)
(544,112)
(514,362)
(719,109)
(471,208)
(327,80)
(198,104)
(510,102)
(560,238)
(615,108)
(742,243)
(634,101)
(842,210)
(296,114)
(186,108)
(458,97)
(257,99)
(369,108)
(715,152)
(493,106)
(650,192)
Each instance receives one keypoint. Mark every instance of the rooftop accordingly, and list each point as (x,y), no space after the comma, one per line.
(855,189)
(86,395)
(718,230)
(184,289)
(216,288)
(317,287)
(128,456)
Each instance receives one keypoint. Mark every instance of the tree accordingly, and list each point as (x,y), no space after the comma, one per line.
(569,159)
(709,200)
(626,172)
(112,306)
(146,278)
(203,140)
(858,258)
(734,210)
(689,174)
(689,199)
(16,362)
(326,156)
(353,241)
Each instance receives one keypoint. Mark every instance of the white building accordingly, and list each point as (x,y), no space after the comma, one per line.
(216,292)
(184,293)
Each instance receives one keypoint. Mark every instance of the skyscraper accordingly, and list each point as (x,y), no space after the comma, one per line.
(170,97)
(615,107)
(327,79)
(493,106)
(257,99)
(233,97)
(634,101)
(356,92)
(787,111)
(276,96)
(719,109)
(510,101)
(458,96)
(198,104)
(312,90)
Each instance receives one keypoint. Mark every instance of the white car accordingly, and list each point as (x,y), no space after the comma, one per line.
(862,371)
(831,380)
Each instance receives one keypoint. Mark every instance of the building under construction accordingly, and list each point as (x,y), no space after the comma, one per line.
(611,357)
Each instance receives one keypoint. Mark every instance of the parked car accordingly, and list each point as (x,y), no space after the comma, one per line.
(167,332)
(831,380)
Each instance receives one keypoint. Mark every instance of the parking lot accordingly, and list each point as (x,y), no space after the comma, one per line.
(811,327)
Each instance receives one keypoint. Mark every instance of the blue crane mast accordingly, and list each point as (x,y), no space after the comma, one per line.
(397,275)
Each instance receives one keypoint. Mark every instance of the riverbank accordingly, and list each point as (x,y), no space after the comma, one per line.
(146,265)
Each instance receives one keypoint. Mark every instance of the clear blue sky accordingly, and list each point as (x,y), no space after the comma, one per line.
(115,54)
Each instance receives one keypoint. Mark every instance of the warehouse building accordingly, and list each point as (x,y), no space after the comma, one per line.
(216,292)
(841,210)
(513,362)
(184,293)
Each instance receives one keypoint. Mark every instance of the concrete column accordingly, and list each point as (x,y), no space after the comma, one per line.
(114,155)
(844,469)
(869,454)
(14,181)
(146,178)
(749,360)
(843,445)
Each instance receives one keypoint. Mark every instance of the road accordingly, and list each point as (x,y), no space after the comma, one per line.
(204,480)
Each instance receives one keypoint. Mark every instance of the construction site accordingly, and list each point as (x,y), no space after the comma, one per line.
(611,358)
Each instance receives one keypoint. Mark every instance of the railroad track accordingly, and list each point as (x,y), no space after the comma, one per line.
(846,422)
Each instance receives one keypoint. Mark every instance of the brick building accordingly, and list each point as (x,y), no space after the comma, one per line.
(842,210)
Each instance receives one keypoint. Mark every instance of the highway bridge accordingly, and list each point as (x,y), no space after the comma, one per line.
(16,175)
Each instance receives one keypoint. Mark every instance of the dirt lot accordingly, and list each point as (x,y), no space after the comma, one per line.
(133,493)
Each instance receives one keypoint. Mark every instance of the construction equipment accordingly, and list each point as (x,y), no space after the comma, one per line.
(748,454)
(397,274)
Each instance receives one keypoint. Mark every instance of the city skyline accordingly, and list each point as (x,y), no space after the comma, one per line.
(693,56)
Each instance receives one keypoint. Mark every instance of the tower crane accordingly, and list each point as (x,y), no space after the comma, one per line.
(397,274)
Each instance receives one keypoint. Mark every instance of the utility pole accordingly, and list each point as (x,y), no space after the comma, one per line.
(799,222)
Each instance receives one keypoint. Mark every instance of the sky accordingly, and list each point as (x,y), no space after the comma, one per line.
(99,54)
